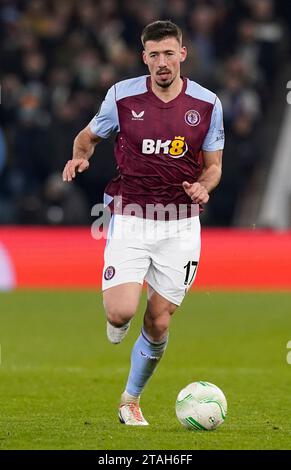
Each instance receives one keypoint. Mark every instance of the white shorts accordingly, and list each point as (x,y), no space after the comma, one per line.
(165,254)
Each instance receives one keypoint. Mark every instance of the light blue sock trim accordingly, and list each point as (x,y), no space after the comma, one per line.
(158,343)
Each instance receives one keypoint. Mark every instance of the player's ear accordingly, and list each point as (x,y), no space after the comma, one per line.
(144,57)
(183,53)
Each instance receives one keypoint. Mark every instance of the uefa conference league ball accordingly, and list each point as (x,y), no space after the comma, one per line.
(201,406)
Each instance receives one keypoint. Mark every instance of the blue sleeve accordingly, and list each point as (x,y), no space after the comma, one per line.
(214,139)
(106,120)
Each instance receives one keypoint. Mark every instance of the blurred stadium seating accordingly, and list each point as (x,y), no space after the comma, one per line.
(57,60)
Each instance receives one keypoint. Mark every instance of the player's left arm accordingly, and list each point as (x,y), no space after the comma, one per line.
(209,179)
(212,149)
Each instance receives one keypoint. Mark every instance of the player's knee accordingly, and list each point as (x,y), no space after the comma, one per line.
(160,329)
(118,315)
(157,328)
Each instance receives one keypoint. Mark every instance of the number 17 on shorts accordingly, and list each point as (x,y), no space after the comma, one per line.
(190,270)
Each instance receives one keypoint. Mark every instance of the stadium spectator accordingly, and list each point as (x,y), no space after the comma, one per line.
(2,151)
(202,33)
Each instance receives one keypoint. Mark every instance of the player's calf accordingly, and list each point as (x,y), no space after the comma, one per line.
(119,313)
(118,324)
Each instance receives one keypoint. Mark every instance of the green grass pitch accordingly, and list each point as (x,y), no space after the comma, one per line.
(60,379)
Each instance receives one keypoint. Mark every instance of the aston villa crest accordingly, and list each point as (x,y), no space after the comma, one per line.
(192,117)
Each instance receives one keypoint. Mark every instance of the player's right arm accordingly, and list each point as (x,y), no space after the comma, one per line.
(100,127)
(83,149)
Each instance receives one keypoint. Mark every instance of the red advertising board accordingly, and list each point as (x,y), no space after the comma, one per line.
(72,258)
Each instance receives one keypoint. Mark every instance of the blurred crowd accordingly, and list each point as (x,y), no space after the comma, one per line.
(57,60)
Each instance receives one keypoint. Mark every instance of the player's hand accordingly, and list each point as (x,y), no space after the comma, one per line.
(73,166)
(197,192)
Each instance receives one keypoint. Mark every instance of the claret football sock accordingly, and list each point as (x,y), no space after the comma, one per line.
(145,357)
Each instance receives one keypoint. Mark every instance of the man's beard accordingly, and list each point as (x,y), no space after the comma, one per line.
(165,84)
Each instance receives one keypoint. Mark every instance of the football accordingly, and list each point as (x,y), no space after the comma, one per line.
(201,406)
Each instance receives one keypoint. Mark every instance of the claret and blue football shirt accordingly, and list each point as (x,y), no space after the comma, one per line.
(158,145)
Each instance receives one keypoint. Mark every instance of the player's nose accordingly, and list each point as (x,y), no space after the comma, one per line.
(162,61)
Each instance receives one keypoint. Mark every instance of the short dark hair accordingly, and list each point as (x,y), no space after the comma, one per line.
(159,30)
